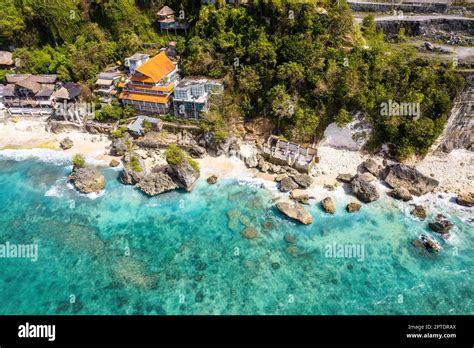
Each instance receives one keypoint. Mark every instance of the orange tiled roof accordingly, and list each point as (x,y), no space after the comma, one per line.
(157,67)
(144,97)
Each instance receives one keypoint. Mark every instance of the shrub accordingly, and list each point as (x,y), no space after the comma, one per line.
(135,164)
(175,156)
(79,161)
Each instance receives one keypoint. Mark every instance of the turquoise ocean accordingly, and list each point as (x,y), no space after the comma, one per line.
(121,252)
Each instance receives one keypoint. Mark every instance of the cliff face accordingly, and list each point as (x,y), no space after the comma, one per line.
(459,130)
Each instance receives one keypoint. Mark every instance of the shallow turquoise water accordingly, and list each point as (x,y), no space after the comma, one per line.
(179,253)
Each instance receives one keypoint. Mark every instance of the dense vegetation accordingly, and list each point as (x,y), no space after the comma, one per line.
(299,63)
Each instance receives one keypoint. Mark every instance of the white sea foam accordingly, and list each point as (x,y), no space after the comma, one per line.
(58,189)
(43,155)
(60,158)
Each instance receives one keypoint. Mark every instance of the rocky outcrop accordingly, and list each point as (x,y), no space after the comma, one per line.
(345,178)
(441,225)
(328,205)
(118,148)
(66,143)
(251,161)
(300,197)
(303,180)
(372,167)
(288,184)
(157,183)
(465,198)
(214,145)
(353,207)
(134,169)
(419,212)
(212,180)
(87,180)
(364,190)
(184,175)
(399,175)
(401,193)
(295,211)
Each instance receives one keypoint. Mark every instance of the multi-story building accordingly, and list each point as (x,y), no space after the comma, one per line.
(150,88)
(133,62)
(191,96)
(168,21)
(105,86)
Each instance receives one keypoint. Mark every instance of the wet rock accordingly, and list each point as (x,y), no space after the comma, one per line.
(275,265)
(197,151)
(328,205)
(345,178)
(419,212)
(288,184)
(87,180)
(401,193)
(441,225)
(364,190)
(250,232)
(295,211)
(212,180)
(268,225)
(303,180)
(114,163)
(66,144)
(300,197)
(156,183)
(465,198)
(399,175)
(353,207)
(430,244)
(184,174)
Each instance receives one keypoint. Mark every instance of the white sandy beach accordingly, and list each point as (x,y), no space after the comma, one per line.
(31,134)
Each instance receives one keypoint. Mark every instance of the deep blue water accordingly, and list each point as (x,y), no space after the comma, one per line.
(183,253)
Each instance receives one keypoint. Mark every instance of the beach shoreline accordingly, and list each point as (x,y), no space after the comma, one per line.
(451,170)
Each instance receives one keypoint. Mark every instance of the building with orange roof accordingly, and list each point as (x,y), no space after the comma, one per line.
(150,88)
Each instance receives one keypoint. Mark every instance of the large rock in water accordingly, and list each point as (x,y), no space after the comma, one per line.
(295,211)
(87,180)
(364,190)
(401,193)
(399,175)
(328,205)
(184,175)
(134,169)
(156,183)
(288,184)
(466,199)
